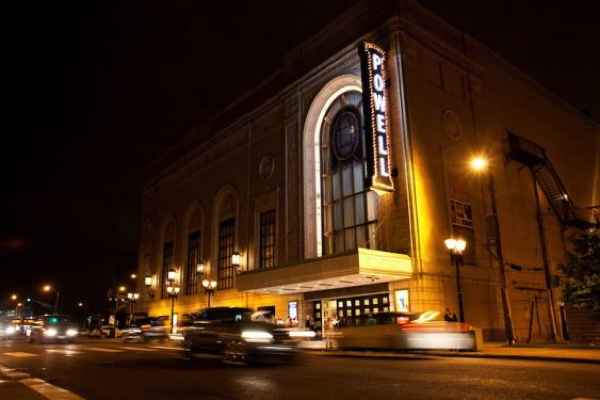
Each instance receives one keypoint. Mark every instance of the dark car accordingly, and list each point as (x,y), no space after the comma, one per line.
(54,328)
(231,332)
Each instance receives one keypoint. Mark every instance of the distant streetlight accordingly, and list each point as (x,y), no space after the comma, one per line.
(49,288)
(83,312)
(200,267)
(132,297)
(457,248)
(148,284)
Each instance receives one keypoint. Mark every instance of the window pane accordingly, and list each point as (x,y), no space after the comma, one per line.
(359,177)
(360,209)
(348,182)
(335,186)
(350,239)
(362,238)
(349,212)
(337,216)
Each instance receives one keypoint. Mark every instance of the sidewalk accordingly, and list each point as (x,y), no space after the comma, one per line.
(536,351)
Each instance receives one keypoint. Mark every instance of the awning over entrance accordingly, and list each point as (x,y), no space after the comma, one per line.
(356,268)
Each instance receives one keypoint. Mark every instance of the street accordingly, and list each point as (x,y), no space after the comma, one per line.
(112,369)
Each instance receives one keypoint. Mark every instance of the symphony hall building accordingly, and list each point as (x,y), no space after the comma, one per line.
(329,190)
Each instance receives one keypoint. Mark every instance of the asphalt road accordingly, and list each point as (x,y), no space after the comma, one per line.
(112,369)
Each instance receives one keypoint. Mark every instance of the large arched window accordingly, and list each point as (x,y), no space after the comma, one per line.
(226,232)
(193,234)
(168,253)
(345,200)
(339,212)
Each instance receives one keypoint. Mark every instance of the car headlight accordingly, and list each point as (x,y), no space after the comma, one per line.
(258,336)
(10,330)
(51,332)
(71,332)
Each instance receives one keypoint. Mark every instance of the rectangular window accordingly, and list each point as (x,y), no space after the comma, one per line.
(226,248)
(267,239)
(462,214)
(167,264)
(192,277)
(462,227)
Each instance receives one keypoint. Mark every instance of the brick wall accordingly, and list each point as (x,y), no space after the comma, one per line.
(583,325)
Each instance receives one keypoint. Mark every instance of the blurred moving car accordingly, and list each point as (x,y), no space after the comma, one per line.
(54,328)
(147,328)
(407,331)
(231,332)
(8,329)
(104,331)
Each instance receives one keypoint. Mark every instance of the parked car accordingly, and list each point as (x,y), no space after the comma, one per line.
(407,331)
(54,328)
(231,332)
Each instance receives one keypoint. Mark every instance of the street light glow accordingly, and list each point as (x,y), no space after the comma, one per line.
(479,163)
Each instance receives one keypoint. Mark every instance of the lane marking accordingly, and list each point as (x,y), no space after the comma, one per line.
(165,348)
(63,351)
(104,349)
(138,348)
(50,391)
(20,354)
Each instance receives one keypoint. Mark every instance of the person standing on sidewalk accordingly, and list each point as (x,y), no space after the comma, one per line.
(449,316)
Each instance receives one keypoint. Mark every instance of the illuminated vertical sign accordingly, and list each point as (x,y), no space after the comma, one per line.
(376,116)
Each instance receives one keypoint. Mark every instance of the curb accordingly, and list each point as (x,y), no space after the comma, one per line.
(422,354)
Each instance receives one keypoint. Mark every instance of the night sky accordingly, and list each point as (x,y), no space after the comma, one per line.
(99,89)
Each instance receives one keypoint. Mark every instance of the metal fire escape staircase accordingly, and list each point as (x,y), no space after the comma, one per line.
(533,156)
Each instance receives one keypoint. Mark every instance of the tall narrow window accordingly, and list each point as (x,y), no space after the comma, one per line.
(166,266)
(193,279)
(347,220)
(267,239)
(461,213)
(462,227)
(226,243)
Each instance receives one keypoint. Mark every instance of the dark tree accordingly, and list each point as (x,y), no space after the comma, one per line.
(580,278)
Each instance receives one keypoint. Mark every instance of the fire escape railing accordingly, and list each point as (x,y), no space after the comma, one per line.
(533,156)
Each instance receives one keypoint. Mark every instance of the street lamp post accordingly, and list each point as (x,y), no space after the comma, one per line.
(457,248)
(172,292)
(209,288)
(148,284)
(49,288)
(132,297)
(481,164)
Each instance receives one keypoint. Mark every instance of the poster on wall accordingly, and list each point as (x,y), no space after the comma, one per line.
(293,309)
(402,300)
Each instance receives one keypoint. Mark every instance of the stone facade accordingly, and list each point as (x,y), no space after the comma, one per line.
(448,98)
